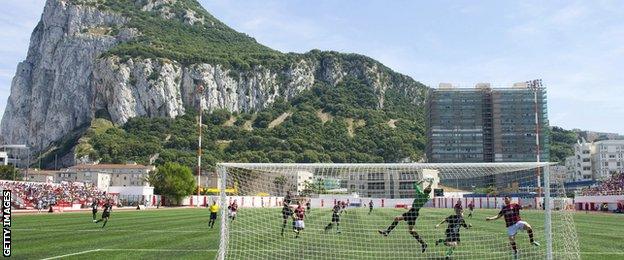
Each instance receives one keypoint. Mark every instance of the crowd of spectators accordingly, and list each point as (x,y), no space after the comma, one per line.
(42,195)
(612,186)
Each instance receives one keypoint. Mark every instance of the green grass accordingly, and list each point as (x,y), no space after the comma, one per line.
(183,233)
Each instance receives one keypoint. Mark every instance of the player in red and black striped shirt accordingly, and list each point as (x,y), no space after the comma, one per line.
(233,210)
(511,212)
(299,216)
(471,209)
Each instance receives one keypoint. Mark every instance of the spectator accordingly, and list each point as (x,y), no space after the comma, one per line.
(36,195)
(612,186)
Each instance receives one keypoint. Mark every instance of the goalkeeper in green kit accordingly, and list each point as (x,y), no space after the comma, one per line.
(412,214)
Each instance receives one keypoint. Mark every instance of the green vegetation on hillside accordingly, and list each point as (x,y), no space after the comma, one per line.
(302,137)
(174,38)
(561,144)
(8,172)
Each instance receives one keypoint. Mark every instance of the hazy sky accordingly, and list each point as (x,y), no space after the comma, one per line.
(577,48)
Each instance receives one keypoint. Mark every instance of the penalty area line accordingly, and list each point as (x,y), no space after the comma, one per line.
(107,230)
(158,250)
(72,254)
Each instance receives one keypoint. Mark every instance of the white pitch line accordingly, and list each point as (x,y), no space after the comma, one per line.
(108,230)
(602,253)
(264,250)
(158,250)
(73,254)
(134,230)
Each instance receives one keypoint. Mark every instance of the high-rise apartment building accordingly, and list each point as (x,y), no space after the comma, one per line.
(485,124)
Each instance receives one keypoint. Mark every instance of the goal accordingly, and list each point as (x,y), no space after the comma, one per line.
(364,211)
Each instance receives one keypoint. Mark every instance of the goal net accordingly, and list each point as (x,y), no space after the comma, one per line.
(394,211)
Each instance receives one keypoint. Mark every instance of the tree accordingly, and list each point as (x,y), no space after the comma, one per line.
(8,172)
(173,180)
(219,116)
(490,190)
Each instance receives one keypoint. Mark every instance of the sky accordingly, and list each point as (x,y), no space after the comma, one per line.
(576,47)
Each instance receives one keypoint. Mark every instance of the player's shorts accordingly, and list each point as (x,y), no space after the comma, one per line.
(232,214)
(286,214)
(410,217)
(335,217)
(513,229)
(213,215)
(105,215)
(299,224)
(452,236)
(94,211)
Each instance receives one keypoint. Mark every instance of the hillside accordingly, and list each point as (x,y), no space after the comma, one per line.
(561,143)
(301,137)
(139,62)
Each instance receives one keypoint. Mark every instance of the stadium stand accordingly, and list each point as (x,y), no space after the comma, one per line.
(27,194)
(612,186)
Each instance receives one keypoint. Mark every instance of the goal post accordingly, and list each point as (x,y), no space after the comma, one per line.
(364,211)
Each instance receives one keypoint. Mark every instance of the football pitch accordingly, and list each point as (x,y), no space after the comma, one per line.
(184,234)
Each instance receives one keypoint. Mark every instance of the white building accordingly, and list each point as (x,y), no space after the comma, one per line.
(300,178)
(4,158)
(35,175)
(559,173)
(389,184)
(571,173)
(123,175)
(595,160)
(580,166)
(608,158)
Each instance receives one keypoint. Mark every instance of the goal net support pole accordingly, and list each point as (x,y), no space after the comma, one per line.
(548,214)
(224,213)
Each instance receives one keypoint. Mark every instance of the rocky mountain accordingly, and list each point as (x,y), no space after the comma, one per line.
(122,59)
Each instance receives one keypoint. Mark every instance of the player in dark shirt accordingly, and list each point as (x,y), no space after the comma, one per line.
(299,217)
(287,213)
(412,214)
(288,198)
(94,208)
(370,207)
(513,222)
(108,207)
(335,219)
(455,222)
(308,206)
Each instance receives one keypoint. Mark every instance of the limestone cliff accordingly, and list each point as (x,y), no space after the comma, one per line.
(73,70)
